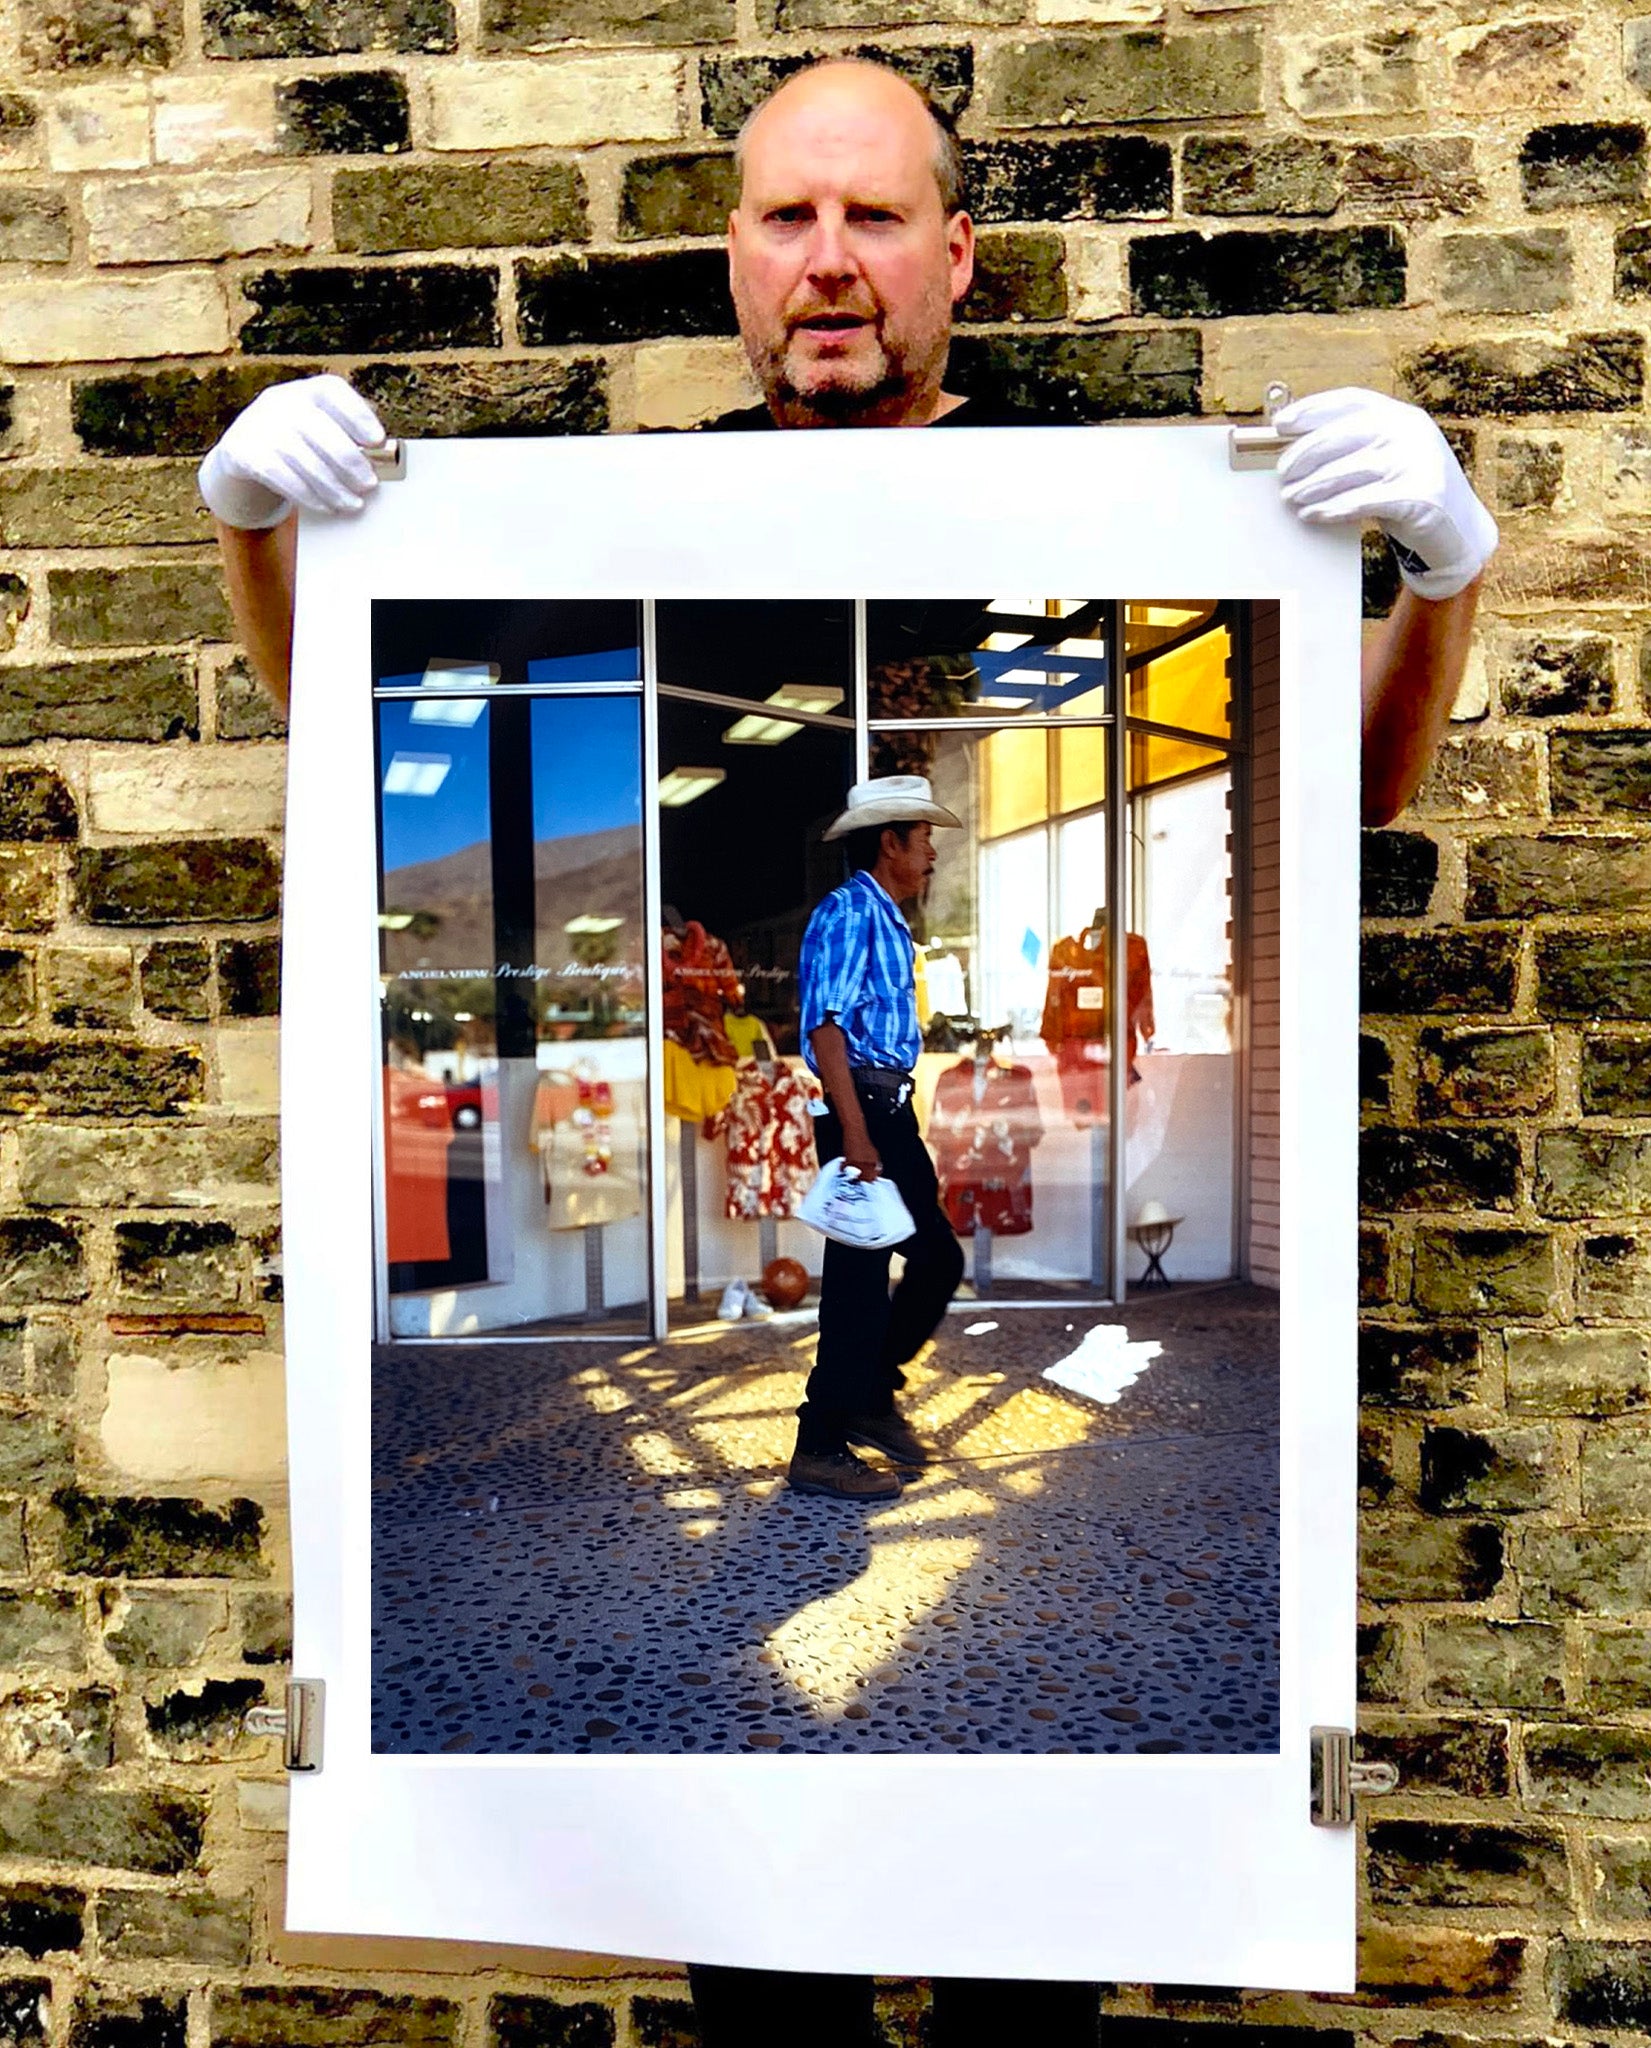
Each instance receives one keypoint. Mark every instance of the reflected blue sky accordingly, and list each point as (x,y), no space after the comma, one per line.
(587,774)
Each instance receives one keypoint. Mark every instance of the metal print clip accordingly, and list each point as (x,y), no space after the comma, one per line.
(1260,447)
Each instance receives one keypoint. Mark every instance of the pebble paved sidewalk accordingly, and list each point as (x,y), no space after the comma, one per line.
(590,1549)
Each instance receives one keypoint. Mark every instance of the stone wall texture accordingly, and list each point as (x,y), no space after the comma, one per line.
(500,216)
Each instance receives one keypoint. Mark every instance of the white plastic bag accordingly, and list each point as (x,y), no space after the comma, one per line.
(868,1214)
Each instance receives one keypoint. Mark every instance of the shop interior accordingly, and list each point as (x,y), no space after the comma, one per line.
(516,922)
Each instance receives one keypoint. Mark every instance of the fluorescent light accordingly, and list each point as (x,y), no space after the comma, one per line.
(757,731)
(1004,643)
(593,925)
(683,785)
(440,673)
(395,920)
(416,774)
(449,711)
(817,697)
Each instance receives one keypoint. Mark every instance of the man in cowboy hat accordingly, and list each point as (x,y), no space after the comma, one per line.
(857,988)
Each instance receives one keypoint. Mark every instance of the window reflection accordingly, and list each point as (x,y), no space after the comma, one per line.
(999,657)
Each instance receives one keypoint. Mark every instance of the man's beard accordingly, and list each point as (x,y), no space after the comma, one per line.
(836,403)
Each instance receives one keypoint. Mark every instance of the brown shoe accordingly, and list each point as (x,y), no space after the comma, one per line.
(891,1434)
(840,1474)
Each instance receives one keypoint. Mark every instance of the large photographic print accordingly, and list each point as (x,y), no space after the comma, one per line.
(596,1304)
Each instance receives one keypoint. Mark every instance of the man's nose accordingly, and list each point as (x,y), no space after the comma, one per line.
(830,254)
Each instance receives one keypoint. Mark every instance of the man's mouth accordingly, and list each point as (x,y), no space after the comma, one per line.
(834,323)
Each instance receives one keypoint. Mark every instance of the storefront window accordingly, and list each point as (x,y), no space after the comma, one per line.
(986,657)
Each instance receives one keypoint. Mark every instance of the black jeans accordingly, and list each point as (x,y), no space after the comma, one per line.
(865,1335)
(796,2009)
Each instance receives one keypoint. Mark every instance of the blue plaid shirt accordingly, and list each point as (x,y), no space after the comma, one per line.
(857,970)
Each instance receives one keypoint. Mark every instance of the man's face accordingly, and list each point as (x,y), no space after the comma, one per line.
(843,265)
(910,865)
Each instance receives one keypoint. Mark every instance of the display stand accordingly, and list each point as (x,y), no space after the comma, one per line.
(690,1212)
(595,1304)
(983,1261)
(1097,1208)
(768,1242)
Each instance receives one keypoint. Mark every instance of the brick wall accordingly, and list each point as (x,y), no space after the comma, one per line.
(499,217)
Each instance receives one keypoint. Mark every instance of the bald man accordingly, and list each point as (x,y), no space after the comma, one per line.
(848,253)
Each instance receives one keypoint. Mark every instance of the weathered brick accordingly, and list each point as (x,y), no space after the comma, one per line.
(1614,1275)
(1592,1173)
(152,1831)
(504,401)
(1279,175)
(159,1631)
(1017,277)
(1435,1366)
(195,219)
(1484,1073)
(1472,1663)
(139,1537)
(16,987)
(25,2003)
(1516,64)
(1457,1757)
(1633,263)
(244,708)
(1616,1475)
(34,225)
(1594,163)
(86,35)
(176,980)
(343,113)
(1522,877)
(193,1926)
(35,1452)
(89,989)
(1524,272)
(15,596)
(178,1260)
(1485,1272)
(1375,1073)
(1438,1169)
(1616,1075)
(1102,177)
(1526,374)
(1377,72)
(95,505)
(56,1353)
(731,87)
(1381,1662)
(1536,573)
(306,2016)
(1583,1571)
(178,881)
(40,1261)
(1621,1876)
(608,96)
(266,1628)
(41,1629)
(140,2020)
(28,889)
(249,977)
(1600,774)
(326,28)
(1542,677)
(1397,871)
(670,2023)
(167,412)
(1378,1480)
(1252,271)
(622,298)
(684,193)
(19,124)
(1578,1372)
(39,1920)
(35,803)
(1594,975)
(204,1722)
(1418,1966)
(458,206)
(1436,972)
(1124,373)
(1626,470)
(1489,1471)
(511,25)
(190,1166)
(102,1077)
(145,603)
(1415,1558)
(1601,1984)
(1414,178)
(91,319)
(1449,1863)
(1616,1668)
(342,309)
(57,1725)
(516,2021)
(147,697)
(1602,1771)
(1529,473)
(1059,79)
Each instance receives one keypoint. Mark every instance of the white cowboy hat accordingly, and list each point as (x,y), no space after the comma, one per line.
(890,800)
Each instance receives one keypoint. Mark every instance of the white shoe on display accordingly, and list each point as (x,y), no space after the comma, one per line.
(732,1305)
(756,1309)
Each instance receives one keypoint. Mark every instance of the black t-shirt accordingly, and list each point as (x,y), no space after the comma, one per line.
(973,412)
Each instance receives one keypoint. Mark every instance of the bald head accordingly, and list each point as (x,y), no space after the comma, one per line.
(848,248)
(859,84)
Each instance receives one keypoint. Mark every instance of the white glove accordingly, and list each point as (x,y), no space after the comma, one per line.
(298,443)
(1365,457)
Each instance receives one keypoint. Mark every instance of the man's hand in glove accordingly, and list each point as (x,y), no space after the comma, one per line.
(298,443)
(1356,455)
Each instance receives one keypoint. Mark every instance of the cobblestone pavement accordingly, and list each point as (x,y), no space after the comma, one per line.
(590,1549)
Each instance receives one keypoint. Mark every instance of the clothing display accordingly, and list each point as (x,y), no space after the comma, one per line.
(573,1132)
(748,1035)
(695,1090)
(700,988)
(1075,1006)
(982,1128)
(770,1140)
(418,1135)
